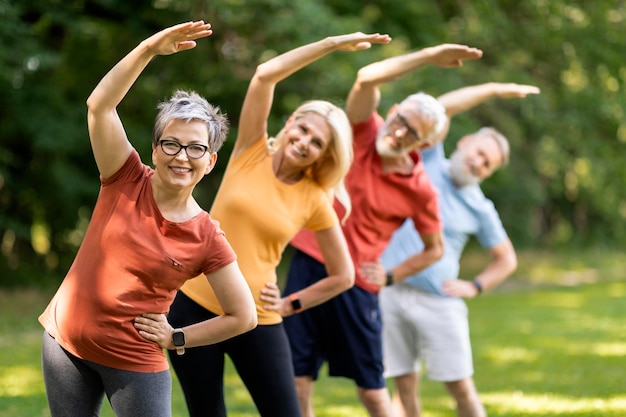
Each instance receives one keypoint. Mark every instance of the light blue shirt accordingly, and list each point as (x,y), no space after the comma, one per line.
(465,212)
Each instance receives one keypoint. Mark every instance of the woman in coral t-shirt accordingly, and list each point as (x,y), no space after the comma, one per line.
(106,327)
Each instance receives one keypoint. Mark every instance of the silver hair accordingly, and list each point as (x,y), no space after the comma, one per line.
(500,139)
(432,109)
(189,106)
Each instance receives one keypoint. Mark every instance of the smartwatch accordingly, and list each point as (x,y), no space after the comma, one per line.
(178,340)
(389,279)
(296,305)
(478,286)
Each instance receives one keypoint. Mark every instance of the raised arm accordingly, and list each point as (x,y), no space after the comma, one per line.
(260,95)
(364,96)
(463,99)
(108,138)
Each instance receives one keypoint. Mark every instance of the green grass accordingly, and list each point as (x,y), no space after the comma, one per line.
(550,342)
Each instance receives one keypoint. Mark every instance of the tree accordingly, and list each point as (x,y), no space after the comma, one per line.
(565,184)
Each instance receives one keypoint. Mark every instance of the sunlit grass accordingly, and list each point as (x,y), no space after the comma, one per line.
(540,349)
(518,404)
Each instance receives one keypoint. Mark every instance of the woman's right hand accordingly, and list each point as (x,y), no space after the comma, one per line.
(178,38)
(359,41)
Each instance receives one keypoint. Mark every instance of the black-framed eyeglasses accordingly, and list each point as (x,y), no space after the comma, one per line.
(405,123)
(172,148)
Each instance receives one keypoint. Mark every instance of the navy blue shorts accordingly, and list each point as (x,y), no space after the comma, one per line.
(345,331)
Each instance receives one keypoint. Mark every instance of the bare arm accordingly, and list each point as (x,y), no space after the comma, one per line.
(433,250)
(463,99)
(364,96)
(340,275)
(503,264)
(108,138)
(260,95)
(239,316)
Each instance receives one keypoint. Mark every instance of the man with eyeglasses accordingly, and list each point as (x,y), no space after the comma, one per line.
(387,184)
(424,316)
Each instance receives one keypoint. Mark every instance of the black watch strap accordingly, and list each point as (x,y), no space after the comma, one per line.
(389,279)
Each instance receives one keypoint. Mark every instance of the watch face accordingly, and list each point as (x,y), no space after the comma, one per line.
(178,338)
(296,304)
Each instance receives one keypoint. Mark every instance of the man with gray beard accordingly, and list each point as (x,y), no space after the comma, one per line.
(424,315)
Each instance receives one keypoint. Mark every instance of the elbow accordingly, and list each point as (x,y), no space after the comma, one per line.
(252,319)
(343,281)
(92,104)
(94,107)
(264,74)
(348,276)
(248,317)
(249,322)
(252,322)
(347,280)
(366,77)
(437,252)
(512,263)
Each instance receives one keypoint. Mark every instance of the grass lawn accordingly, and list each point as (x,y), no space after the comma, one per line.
(550,342)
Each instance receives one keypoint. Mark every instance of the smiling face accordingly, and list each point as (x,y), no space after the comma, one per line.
(306,139)
(476,158)
(179,171)
(404,130)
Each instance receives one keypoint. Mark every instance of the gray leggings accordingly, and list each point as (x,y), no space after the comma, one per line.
(76,387)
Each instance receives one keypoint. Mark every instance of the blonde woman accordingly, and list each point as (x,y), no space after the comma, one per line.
(271,189)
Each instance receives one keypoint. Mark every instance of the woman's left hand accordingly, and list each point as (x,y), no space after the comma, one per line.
(359,41)
(271,296)
(156,328)
(178,38)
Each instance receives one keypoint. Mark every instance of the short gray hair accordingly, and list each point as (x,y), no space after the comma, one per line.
(189,106)
(432,109)
(500,139)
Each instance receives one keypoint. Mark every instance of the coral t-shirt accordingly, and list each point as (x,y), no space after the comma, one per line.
(131,261)
(381,202)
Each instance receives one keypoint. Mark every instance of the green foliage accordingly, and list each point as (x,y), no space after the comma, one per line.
(565,184)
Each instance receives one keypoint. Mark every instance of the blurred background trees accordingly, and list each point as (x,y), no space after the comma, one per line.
(565,186)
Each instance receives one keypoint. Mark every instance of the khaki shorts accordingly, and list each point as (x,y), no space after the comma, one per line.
(421,327)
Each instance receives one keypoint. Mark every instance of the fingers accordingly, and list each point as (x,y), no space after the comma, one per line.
(359,41)
(518,90)
(378,38)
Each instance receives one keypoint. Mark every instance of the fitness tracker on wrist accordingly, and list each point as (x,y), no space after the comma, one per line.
(178,340)
(478,286)
(389,278)
(296,305)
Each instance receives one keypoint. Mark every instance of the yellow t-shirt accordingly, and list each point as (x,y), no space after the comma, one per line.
(259,215)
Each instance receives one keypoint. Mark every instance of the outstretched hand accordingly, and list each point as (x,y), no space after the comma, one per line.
(512,90)
(178,38)
(359,41)
(450,55)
